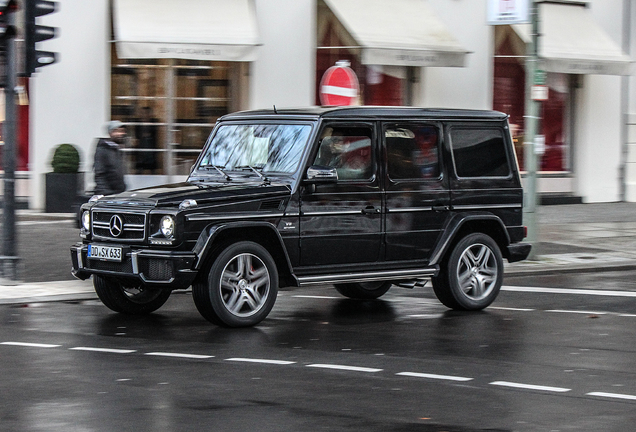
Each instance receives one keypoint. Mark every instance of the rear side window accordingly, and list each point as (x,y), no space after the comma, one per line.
(412,152)
(479,152)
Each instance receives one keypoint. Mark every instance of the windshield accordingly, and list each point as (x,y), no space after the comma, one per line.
(266,147)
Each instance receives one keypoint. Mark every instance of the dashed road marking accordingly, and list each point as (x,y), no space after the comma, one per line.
(607,293)
(529,386)
(317,297)
(576,312)
(343,367)
(434,376)
(612,395)
(264,361)
(106,350)
(511,309)
(32,345)
(179,355)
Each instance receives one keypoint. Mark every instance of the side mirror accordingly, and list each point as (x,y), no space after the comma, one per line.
(321,174)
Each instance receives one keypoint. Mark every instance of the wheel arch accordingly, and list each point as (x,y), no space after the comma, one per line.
(214,238)
(461,225)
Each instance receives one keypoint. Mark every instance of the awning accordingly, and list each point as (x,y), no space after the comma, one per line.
(572,42)
(221,30)
(398,33)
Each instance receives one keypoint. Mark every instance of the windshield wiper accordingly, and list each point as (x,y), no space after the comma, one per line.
(255,169)
(219,169)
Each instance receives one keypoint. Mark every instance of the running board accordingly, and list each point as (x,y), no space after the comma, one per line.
(391,275)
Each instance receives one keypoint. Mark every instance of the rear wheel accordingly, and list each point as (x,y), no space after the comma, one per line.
(132,300)
(363,290)
(471,276)
(241,286)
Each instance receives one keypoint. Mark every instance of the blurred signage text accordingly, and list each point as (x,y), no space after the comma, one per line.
(502,12)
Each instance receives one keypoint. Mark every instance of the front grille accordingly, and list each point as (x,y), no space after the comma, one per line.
(133,225)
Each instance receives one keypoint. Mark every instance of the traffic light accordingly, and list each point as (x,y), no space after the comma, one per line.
(7,31)
(34,33)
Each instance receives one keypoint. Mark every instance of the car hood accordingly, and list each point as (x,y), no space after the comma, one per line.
(174,194)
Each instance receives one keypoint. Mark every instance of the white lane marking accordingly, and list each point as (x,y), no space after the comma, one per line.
(343,367)
(179,355)
(265,361)
(627,315)
(607,293)
(106,350)
(53,222)
(576,312)
(512,309)
(612,395)
(434,376)
(28,344)
(529,386)
(316,297)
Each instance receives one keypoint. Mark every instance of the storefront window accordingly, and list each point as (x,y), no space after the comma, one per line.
(379,85)
(509,97)
(169,107)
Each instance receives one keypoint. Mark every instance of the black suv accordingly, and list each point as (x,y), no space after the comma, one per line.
(358,197)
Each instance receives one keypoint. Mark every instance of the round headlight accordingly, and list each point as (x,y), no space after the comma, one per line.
(167,226)
(86,220)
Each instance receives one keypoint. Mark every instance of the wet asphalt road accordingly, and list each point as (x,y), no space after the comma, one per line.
(537,360)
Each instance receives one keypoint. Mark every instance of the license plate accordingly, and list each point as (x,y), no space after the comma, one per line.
(106,253)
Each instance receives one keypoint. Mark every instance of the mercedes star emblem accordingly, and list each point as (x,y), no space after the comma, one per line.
(116,226)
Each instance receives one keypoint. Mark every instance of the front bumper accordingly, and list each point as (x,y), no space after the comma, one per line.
(164,269)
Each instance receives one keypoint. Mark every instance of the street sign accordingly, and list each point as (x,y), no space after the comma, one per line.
(504,12)
(339,85)
(540,77)
(539,92)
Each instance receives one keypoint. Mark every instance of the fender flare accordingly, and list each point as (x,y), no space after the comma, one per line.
(454,225)
(210,233)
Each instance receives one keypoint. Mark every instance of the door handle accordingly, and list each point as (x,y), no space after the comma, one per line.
(440,208)
(370,210)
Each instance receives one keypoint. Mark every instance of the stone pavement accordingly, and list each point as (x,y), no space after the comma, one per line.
(572,238)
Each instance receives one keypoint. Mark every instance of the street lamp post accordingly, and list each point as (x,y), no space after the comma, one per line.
(532,118)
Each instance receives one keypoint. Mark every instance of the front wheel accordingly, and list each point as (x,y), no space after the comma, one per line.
(363,290)
(241,286)
(471,276)
(131,300)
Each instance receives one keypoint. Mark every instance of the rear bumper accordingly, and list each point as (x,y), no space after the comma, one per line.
(518,251)
(162,269)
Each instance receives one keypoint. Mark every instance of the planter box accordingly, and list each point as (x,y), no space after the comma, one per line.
(63,192)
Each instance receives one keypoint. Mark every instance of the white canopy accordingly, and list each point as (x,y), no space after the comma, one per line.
(398,33)
(572,42)
(221,30)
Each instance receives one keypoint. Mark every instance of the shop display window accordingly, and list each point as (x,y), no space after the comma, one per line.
(509,97)
(169,108)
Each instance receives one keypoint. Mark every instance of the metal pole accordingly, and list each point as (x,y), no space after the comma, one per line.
(533,110)
(9,257)
(625,80)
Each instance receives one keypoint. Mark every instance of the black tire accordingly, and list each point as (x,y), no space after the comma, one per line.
(471,276)
(128,300)
(363,290)
(241,286)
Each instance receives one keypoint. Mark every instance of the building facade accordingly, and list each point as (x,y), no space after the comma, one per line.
(169,74)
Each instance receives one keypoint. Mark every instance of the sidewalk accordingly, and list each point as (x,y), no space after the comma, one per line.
(572,238)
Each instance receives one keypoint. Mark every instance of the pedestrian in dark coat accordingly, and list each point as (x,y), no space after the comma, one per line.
(109,164)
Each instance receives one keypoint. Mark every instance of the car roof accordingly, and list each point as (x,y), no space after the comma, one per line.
(367,112)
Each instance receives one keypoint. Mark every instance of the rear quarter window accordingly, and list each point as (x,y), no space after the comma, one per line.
(479,152)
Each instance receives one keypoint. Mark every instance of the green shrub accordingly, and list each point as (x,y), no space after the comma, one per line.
(66,159)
